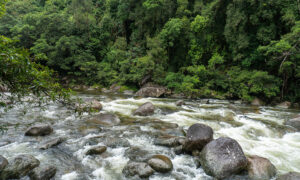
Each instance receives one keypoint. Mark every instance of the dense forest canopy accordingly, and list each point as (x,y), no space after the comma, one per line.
(21,76)
(203,48)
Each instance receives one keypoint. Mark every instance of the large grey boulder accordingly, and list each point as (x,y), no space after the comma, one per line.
(260,168)
(155,91)
(160,163)
(294,123)
(3,163)
(42,173)
(105,119)
(198,135)
(289,176)
(145,109)
(141,169)
(39,130)
(223,157)
(19,167)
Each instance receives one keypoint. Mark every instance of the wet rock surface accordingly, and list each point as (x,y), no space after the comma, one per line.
(39,130)
(260,168)
(51,143)
(43,173)
(289,176)
(105,120)
(141,169)
(145,110)
(295,123)
(198,135)
(160,163)
(96,150)
(169,141)
(223,157)
(20,166)
(3,163)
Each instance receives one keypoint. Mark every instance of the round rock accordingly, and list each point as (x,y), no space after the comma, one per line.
(260,168)
(96,150)
(198,135)
(141,169)
(39,130)
(160,163)
(223,157)
(145,110)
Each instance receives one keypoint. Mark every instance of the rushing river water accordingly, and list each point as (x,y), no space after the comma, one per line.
(259,130)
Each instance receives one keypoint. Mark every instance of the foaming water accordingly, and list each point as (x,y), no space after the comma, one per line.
(259,130)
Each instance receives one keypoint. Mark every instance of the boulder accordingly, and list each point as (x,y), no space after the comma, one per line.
(179,103)
(154,91)
(141,169)
(223,157)
(198,135)
(52,142)
(160,163)
(96,105)
(105,119)
(285,104)
(289,176)
(39,130)
(116,142)
(260,168)
(178,150)
(43,173)
(3,163)
(257,102)
(96,150)
(294,123)
(19,167)
(145,109)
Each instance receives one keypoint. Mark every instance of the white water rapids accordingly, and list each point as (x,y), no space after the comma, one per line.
(259,131)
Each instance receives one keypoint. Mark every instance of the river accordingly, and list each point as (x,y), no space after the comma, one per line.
(259,130)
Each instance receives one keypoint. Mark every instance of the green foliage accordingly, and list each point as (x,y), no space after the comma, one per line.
(222,49)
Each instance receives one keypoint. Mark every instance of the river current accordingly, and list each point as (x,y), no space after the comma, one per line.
(259,131)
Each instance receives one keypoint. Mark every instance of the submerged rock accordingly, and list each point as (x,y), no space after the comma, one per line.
(19,167)
(260,168)
(198,135)
(160,163)
(294,123)
(137,154)
(39,130)
(289,176)
(3,163)
(223,157)
(52,142)
(169,141)
(141,169)
(156,91)
(96,150)
(43,173)
(93,105)
(179,103)
(4,143)
(105,120)
(145,109)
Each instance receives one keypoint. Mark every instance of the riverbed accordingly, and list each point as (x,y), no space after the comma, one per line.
(259,131)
